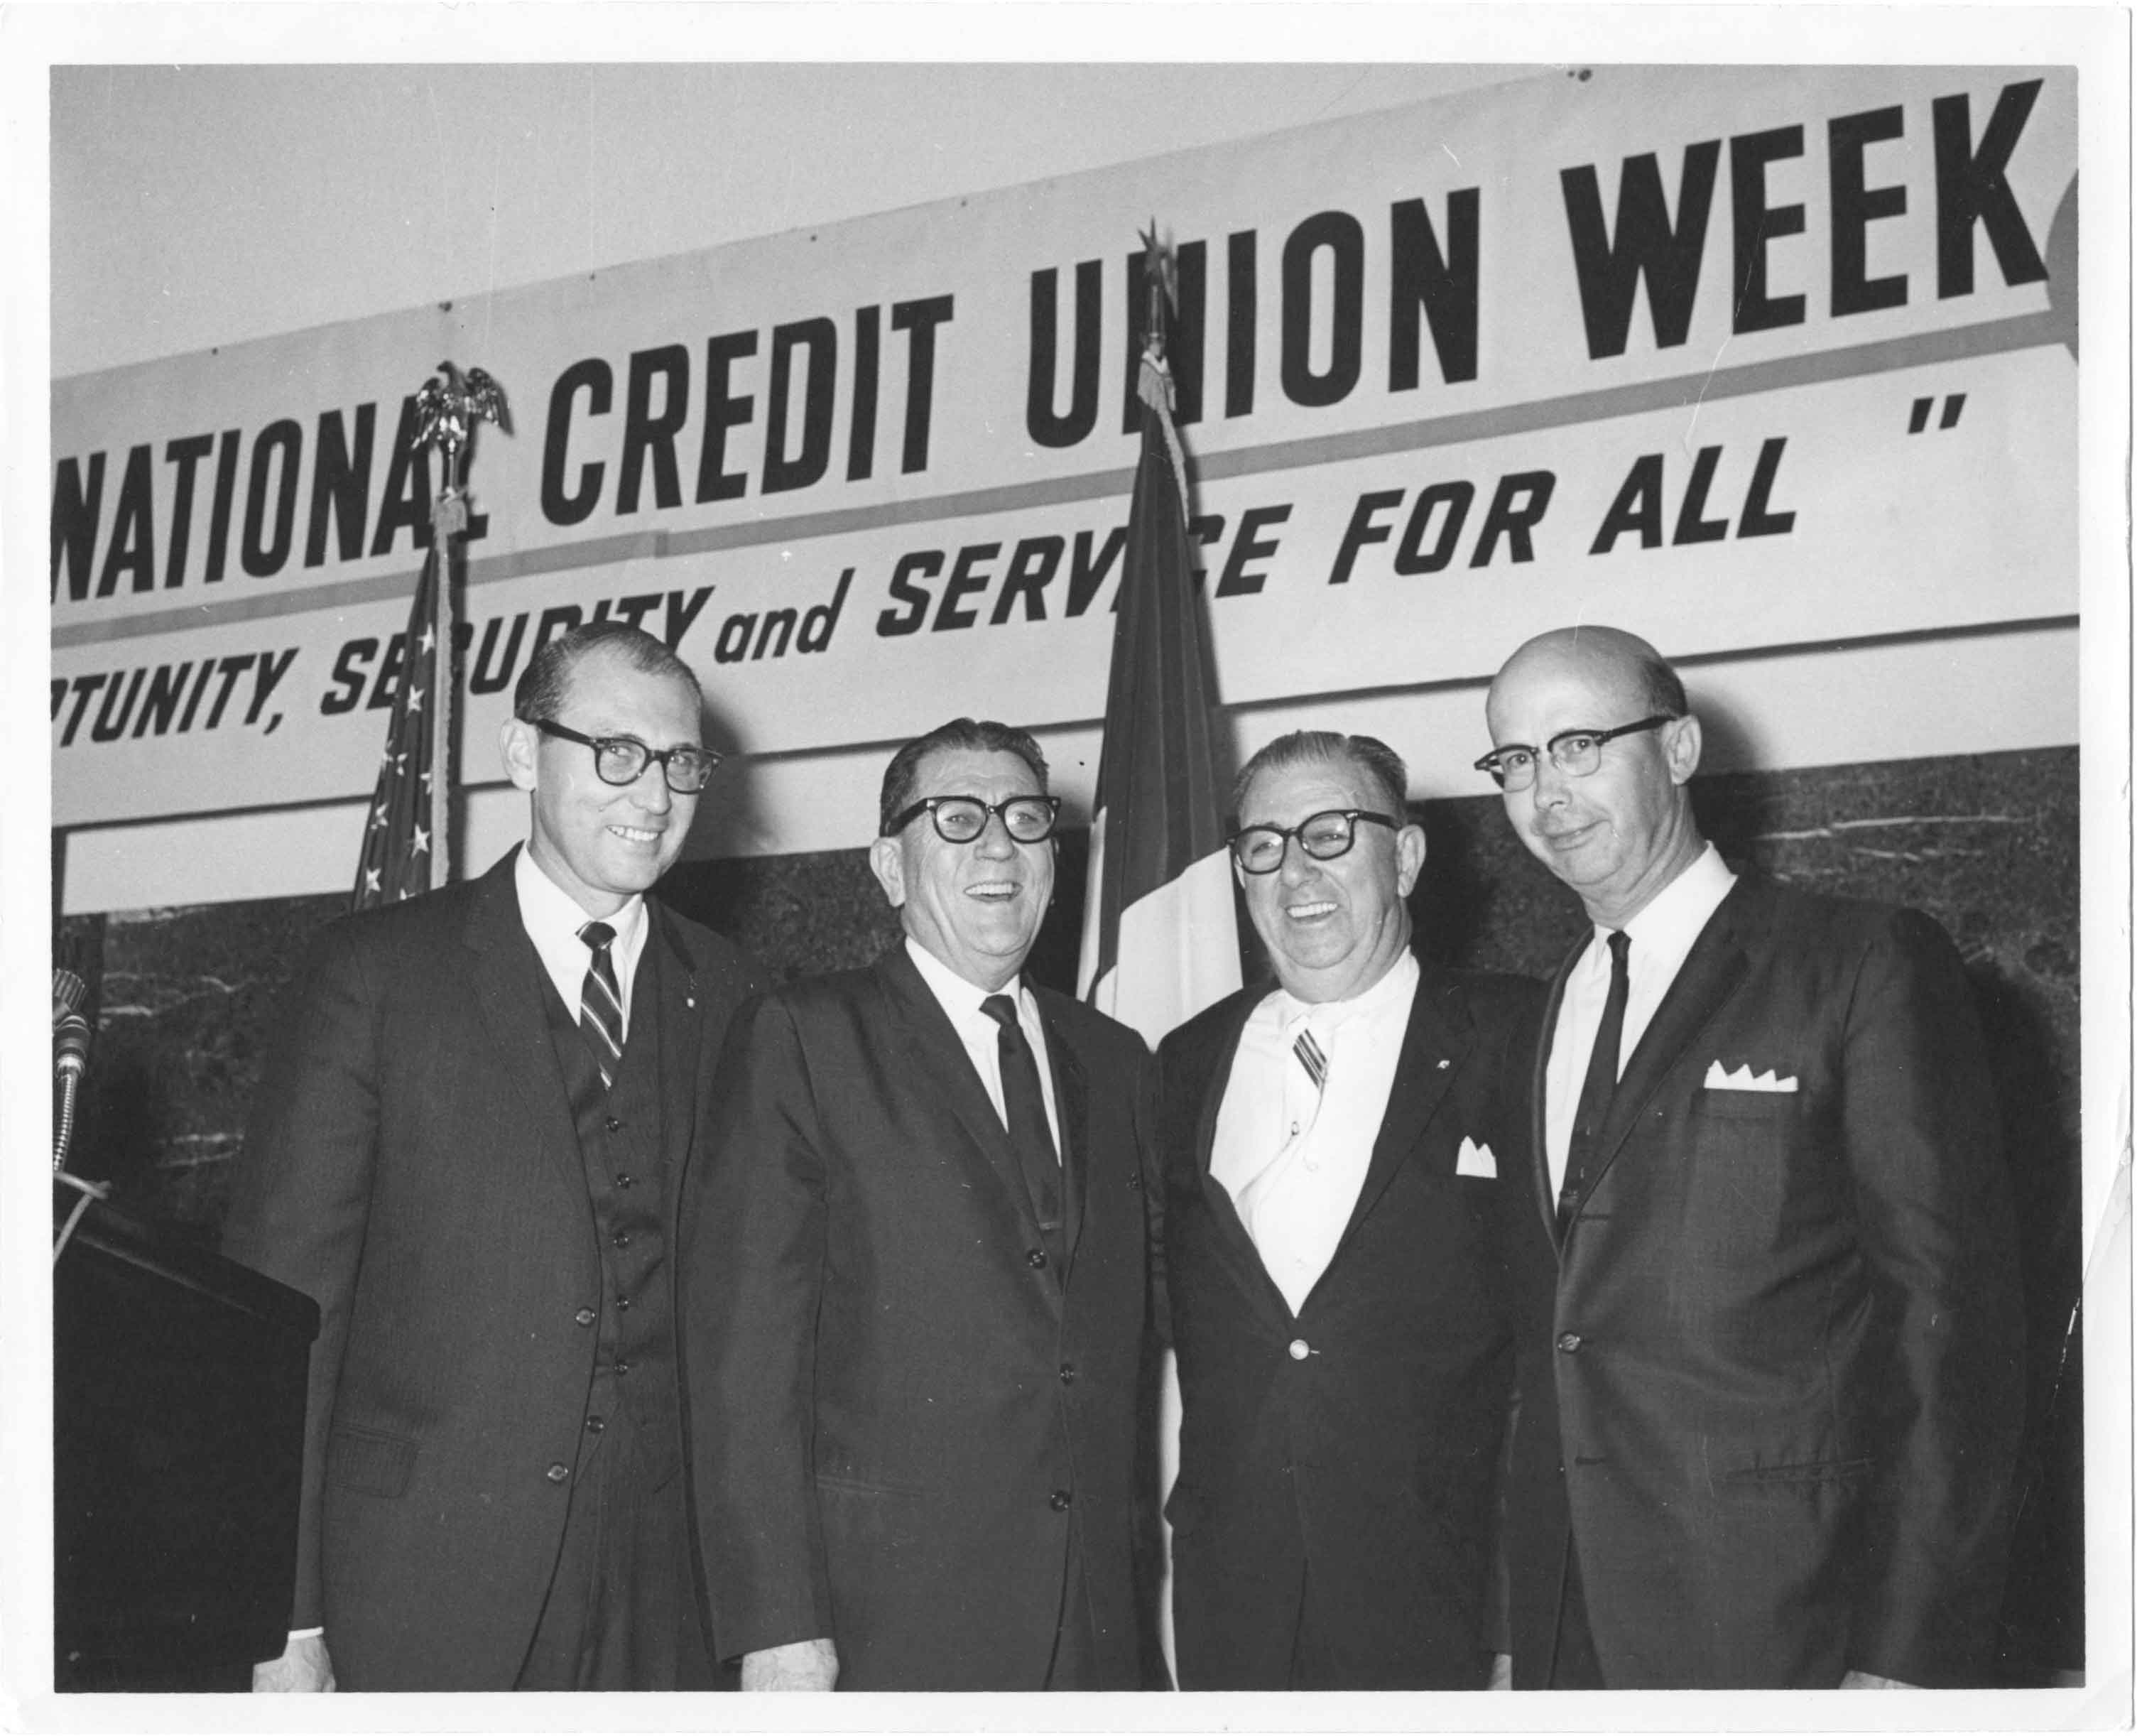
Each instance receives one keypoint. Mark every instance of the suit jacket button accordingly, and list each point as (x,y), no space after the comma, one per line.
(1036,1259)
(1067,1374)
(558,1473)
(1299,1349)
(1061,1500)
(584,1316)
(1567,1342)
(611,1124)
(595,1425)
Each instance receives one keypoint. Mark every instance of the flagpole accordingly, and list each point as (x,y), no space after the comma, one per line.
(1158,940)
(443,720)
(445,413)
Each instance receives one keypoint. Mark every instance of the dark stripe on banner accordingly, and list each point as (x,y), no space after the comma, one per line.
(1996,337)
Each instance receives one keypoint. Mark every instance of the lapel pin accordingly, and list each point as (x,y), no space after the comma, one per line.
(1441,1064)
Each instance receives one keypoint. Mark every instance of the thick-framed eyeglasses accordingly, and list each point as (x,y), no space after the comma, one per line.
(621,759)
(1323,837)
(962,819)
(1575,754)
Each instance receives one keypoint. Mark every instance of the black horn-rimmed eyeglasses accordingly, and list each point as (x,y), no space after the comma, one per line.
(1575,754)
(621,759)
(1324,837)
(962,819)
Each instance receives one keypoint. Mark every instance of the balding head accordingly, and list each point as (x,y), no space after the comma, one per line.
(1617,662)
(1620,835)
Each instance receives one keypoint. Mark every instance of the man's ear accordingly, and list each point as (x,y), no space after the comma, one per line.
(1683,746)
(516,749)
(1413,852)
(885,865)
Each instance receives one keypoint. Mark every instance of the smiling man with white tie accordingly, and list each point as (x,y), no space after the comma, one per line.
(1332,1146)
(1769,1325)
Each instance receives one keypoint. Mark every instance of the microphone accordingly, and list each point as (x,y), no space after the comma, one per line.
(70,1028)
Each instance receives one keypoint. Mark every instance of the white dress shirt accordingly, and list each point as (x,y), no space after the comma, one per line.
(1291,1157)
(962,1002)
(1659,936)
(553,922)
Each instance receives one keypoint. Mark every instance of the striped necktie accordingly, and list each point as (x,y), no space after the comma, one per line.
(1310,1054)
(602,1010)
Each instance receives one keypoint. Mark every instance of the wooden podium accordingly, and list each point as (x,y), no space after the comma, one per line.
(178,1426)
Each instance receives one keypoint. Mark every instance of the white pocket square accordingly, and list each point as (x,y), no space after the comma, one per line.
(1475,1159)
(1741,1079)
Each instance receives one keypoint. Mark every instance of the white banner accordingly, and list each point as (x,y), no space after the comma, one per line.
(1739,358)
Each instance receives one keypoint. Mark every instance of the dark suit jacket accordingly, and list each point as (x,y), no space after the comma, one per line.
(1370,1459)
(1778,1359)
(412,1165)
(899,1407)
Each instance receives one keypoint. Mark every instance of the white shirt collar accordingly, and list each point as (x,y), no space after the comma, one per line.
(978,1032)
(553,919)
(1397,985)
(962,1000)
(1667,926)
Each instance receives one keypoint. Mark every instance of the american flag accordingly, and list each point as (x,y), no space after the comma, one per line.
(404,855)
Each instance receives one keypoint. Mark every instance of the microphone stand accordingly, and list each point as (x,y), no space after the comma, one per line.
(71,1037)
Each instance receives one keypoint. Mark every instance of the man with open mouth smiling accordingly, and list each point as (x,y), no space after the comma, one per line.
(1332,1143)
(917,1280)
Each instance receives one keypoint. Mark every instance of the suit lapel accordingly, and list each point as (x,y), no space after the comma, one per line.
(1224,1038)
(667,998)
(1438,1033)
(509,981)
(1068,1073)
(1542,1053)
(944,1073)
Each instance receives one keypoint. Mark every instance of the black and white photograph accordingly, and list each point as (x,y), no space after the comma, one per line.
(1278,857)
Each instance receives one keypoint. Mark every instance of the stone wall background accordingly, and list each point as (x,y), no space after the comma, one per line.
(185,1003)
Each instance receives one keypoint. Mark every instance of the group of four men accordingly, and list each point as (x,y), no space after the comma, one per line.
(1655,1327)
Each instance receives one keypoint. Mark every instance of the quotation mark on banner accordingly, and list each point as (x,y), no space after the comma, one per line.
(1921,408)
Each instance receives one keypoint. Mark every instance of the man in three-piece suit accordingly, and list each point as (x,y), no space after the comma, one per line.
(467,1149)
(1335,1147)
(1770,1327)
(917,1280)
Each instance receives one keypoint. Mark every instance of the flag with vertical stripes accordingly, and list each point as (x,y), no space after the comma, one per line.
(402,850)
(1159,942)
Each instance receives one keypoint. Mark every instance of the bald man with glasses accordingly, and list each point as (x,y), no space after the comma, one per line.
(917,1280)
(1337,1140)
(1770,1331)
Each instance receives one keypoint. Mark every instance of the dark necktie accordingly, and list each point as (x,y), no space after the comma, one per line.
(602,1010)
(1598,1097)
(1026,1118)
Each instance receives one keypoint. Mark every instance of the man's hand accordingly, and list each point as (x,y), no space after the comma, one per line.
(1499,1673)
(1861,1678)
(304,1667)
(808,1666)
